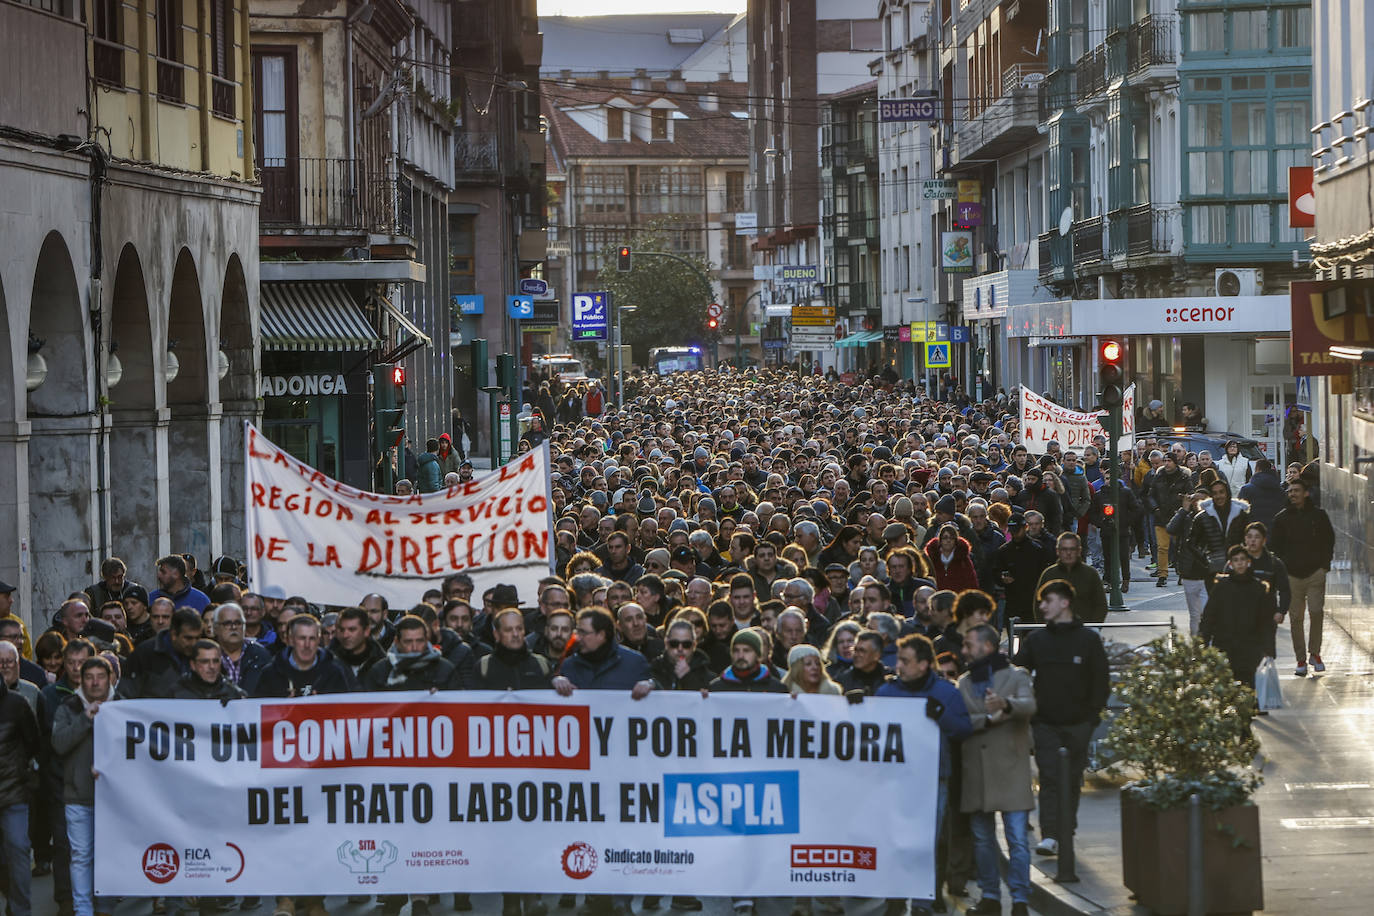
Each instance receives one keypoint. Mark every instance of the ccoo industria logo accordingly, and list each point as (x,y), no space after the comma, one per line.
(160,863)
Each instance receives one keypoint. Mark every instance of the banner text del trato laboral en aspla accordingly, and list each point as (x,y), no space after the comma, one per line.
(739,794)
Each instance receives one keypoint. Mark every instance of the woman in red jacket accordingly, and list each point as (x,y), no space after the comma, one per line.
(951,560)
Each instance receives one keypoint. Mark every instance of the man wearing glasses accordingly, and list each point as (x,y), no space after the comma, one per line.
(1090,598)
(243,661)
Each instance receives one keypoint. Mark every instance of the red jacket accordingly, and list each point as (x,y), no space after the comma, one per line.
(959,574)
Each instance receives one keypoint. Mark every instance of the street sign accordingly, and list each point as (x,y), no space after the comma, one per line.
(713,310)
(506,451)
(533,286)
(960,333)
(590,316)
(939,189)
(746,224)
(937,355)
(1304,398)
(470,305)
(777,343)
(942,330)
(796,273)
(813,315)
(520,306)
(900,110)
(923,332)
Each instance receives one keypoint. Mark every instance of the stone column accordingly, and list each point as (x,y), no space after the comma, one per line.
(232,494)
(194,481)
(62,508)
(16,544)
(139,490)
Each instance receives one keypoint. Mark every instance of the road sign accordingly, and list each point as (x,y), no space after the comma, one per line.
(813,315)
(520,306)
(897,110)
(939,189)
(533,286)
(713,310)
(590,316)
(937,355)
(775,343)
(1304,399)
(960,333)
(470,305)
(746,224)
(942,330)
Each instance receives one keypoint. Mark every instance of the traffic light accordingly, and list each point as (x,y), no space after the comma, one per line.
(622,259)
(1109,374)
(506,373)
(479,363)
(388,405)
(398,384)
(712,324)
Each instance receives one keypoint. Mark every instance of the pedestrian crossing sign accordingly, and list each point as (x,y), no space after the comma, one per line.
(937,355)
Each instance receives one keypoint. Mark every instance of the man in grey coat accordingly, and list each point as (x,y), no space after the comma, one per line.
(996,768)
(73,741)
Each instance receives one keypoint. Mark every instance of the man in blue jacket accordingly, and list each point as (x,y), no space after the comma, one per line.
(599,662)
(917,679)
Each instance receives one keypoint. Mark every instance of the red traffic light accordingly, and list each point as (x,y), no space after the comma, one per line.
(1109,511)
(398,375)
(712,323)
(1110,351)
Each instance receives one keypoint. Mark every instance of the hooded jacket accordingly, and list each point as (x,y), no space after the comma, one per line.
(959,574)
(358,662)
(513,669)
(1238,619)
(1265,495)
(284,679)
(1079,493)
(429,473)
(1211,535)
(953,721)
(1166,492)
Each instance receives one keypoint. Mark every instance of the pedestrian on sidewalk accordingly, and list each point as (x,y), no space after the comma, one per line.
(1269,568)
(1090,598)
(1239,616)
(1219,524)
(1166,491)
(73,743)
(1194,572)
(19,748)
(1071,688)
(996,768)
(1305,541)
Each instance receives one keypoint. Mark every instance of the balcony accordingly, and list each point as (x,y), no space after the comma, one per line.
(1055,263)
(1087,238)
(1092,73)
(1008,123)
(1142,231)
(854,229)
(171,81)
(1150,43)
(108,62)
(331,196)
(863,151)
(222,97)
(477,154)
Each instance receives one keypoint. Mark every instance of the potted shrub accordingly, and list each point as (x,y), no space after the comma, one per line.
(1185,730)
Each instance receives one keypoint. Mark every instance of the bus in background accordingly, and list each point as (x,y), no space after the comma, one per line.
(667,360)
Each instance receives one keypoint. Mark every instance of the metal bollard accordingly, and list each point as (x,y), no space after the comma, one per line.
(1067,865)
(1197,890)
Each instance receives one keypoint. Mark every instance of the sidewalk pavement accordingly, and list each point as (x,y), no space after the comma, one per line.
(1317,801)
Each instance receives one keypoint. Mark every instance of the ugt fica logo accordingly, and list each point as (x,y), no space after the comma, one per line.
(579,861)
(366,857)
(160,863)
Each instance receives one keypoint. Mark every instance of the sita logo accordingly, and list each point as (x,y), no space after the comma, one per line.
(160,863)
(579,861)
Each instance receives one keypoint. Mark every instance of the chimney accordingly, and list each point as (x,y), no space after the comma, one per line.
(640,81)
(675,82)
(709,102)
(565,75)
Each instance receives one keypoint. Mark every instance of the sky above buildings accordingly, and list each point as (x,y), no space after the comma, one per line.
(613,7)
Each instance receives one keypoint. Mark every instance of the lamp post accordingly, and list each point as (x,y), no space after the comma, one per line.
(620,356)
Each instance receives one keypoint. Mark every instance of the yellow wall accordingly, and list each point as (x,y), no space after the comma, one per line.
(183,136)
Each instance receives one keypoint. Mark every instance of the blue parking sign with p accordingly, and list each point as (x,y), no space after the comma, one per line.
(590,316)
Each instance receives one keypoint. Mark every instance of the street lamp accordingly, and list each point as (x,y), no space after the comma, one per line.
(36,372)
(620,311)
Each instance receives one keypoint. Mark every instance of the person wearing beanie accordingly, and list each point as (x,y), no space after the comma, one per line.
(747,672)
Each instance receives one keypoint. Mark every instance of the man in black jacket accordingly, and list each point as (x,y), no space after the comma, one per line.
(1168,486)
(868,672)
(1071,687)
(682,666)
(1019,563)
(303,669)
(19,747)
(412,663)
(1239,616)
(353,644)
(156,666)
(206,680)
(1304,539)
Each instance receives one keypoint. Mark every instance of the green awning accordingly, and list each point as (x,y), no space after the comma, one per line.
(860,339)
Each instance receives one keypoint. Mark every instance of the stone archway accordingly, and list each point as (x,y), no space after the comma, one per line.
(138,430)
(193,433)
(62,445)
(238,399)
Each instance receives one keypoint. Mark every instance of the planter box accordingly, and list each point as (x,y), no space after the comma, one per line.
(1154,858)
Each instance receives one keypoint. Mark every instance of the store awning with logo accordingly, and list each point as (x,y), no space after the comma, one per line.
(319,317)
(860,339)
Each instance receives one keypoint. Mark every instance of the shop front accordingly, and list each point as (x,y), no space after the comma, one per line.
(1227,355)
(316,358)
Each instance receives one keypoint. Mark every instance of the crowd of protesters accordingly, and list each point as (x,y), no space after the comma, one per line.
(758,532)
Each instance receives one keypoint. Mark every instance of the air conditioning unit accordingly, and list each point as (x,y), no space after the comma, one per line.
(1239,281)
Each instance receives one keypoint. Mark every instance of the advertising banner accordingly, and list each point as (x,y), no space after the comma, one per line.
(1326,315)
(489,791)
(315,536)
(1043,420)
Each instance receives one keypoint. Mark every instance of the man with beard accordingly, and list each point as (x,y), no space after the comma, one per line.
(353,644)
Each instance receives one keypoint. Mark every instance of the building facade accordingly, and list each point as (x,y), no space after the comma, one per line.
(128,288)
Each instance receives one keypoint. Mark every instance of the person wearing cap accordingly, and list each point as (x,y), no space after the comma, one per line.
(748,673)
(1152,415)
(7,613)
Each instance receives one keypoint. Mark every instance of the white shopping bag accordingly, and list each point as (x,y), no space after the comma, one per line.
(1267,685)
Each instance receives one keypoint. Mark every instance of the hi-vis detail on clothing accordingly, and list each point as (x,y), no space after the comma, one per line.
(315,536)
(484,791)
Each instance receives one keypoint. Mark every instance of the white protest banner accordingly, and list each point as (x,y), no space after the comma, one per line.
(332,543)
(1043,420)
(483,791)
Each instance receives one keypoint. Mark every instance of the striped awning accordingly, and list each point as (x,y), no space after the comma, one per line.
(314,316)
(860,339)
